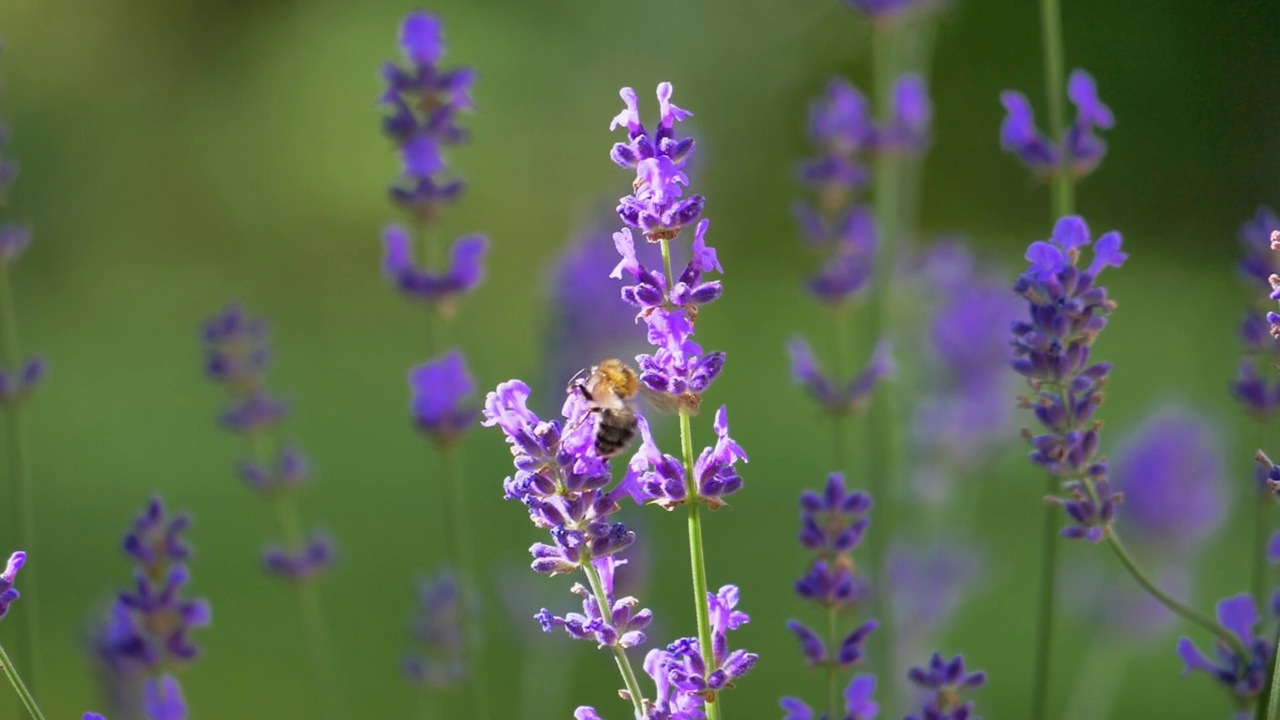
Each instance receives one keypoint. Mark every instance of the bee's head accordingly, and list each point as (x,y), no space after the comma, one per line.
(619,376)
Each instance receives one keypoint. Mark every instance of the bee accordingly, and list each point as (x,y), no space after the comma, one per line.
(608,390)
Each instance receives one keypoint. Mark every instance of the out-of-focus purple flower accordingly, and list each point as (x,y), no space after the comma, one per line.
(439,660)
(928,586)
(1067,308)
(657,207)
(840,128)
(422,103)
(832,524)
(892,10)
(967,407)
(164,699)
(907,130)
(948,680)
(847,272)
(289,472)
(1258,262)
(858,702)
(1260,396)
(14,240)
(152,623)
(1243,678)
(17,385)
(237,356)
(316,557)
(438,288)
(120,679)
(1170,471)
(853,396)
(1078,152)
(93,716)
(664,484)
(439,389)
(588,323)
(9,593)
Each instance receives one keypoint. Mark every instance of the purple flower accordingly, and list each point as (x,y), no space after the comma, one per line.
(289,472)
(164,699)
(832,524)
(907,130)
(1258,262)
(854,395)
(152,623)
(658,206)
(1243,678)
(1067,309)
(716,476)
(93,716)
(967,409)
(622,626)
(1260,396)
(858,702)
(847,272)
(588,322)
(840,127)
(237,355)
(315,557)
(422,103)
(1170,472)
(696,674)
(439,388)
(465,271)
(16,386)
(947,680)
(8,593)
(928,585)
(440,658)
(1079,152)
(14,240)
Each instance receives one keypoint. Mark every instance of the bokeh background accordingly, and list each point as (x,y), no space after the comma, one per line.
(177,155)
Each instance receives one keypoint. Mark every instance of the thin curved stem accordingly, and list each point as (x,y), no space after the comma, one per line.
(1178,608)
(619,654)
(1044,613)
(1273,697)
(24,694)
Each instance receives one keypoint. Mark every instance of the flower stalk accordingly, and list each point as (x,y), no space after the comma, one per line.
(11,672)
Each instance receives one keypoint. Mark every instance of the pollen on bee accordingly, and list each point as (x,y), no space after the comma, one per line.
(619,376)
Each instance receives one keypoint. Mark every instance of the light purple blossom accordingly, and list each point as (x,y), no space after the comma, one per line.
(833,396)
(439,389)
(9,593)
(858,702)
(1243,678)
(1079,152)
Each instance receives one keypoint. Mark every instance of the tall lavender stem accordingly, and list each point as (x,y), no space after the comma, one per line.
(1062,204)
(24,694)
(627,672)
(882,425)
(697,561)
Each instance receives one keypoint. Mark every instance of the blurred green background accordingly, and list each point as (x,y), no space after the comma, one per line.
(177,155)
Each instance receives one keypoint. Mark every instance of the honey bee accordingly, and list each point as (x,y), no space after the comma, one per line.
(608,390)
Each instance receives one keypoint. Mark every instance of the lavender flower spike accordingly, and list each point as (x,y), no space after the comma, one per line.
(152,623)
(440,660)
(1244,680)
(164,699)
(657,207)
(8,593)
(947,680)
(1067,309)
(1078,152)
(439,388)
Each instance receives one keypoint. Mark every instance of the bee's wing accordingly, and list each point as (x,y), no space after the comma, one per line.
(664,403)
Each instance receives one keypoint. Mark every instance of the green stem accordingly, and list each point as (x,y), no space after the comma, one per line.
(293,537)
(1178,608)
(1262,503)
(619,654)
(20,476)
(881,445)
(458,556)
(24,694)
(840,366)
(1273,696)
(697,563)
(1054,86)
(1044,615)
